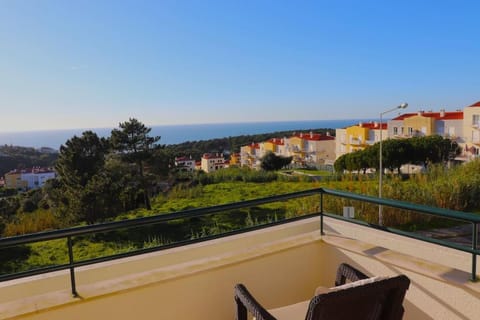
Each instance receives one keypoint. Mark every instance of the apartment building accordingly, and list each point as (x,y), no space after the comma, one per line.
(448,124)
(26,179)
(185,163)
(250,155)
(234,159)
(471,131)
(358,137)
(212,162)
(275,145)
(305,148)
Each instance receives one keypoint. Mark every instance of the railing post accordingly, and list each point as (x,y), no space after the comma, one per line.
(321,213)
(474,247)
(72,270)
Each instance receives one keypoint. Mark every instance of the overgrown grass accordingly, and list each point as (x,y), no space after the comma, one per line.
(32,222)
(457,188)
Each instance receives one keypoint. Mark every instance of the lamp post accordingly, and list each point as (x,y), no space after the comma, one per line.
(380,176)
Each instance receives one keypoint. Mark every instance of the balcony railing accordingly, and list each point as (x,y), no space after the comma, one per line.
(68,234)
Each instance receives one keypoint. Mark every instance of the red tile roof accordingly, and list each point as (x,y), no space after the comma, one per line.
(449,115)
(255,145)
(373,125)
(476,104)
(212,156)
(34,170)
(277,141)
(183,158)
(313,136)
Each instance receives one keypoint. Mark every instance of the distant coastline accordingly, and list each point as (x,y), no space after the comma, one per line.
(173,134)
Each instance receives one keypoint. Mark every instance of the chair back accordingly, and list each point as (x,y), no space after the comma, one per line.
(380,300)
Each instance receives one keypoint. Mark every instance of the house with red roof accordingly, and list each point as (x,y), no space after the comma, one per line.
(448,124)
(211,162)
(30,178)
(358,137)
(185,163)
(305,148)
(311,148)
(471,131)
(250,155)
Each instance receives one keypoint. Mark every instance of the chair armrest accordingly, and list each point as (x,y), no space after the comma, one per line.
(246,302)
(346,271)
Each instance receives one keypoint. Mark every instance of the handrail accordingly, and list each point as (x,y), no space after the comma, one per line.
(112,226)
(439,212)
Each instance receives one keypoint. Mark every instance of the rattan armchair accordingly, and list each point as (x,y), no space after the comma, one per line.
(379,299)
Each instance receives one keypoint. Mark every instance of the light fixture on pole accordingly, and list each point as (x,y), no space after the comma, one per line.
(380,164)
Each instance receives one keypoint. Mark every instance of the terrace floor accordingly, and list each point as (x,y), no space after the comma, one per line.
(280,265)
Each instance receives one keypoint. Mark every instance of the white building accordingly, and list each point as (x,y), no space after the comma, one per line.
(27,179)
(471,131)
(185,163)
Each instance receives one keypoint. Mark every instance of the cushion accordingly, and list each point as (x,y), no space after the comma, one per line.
(321,290)
(295,311)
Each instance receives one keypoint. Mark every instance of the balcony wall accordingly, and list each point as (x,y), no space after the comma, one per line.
(280,265)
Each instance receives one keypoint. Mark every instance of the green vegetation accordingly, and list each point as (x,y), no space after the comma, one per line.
(14,157)
(272,162)
(397,152)
(456,188)
(116,179)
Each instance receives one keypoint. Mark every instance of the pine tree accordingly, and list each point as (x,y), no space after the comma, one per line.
(79,166)
(135,146)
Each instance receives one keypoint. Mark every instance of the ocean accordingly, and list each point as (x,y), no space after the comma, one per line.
(172,134)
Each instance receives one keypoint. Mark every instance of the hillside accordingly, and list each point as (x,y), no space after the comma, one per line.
(15,157)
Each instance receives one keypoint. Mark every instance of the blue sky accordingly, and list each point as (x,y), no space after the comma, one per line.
(87,64)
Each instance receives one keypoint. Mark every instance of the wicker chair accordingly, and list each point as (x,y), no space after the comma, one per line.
(380,299)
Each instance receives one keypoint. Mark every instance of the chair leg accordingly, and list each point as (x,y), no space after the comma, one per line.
(241,311)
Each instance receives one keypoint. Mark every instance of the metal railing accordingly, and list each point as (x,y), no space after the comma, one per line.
(68,234)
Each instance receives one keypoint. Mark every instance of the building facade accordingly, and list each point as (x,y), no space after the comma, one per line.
(358,137)
(212,162)
(306,149)
(185,164)
(26,179)
(471,131)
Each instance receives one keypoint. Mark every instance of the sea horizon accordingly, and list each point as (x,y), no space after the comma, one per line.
(173,134)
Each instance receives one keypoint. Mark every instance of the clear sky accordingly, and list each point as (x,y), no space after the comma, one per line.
(87,64)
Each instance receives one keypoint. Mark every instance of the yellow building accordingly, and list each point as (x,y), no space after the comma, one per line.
(446,124)
(358,137)
(13,179)
(235,159)
(249,155)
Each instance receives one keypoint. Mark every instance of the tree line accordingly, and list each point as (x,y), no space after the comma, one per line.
(101,177)
(397,152)
(15,157)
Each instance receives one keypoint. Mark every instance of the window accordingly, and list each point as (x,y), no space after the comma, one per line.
(395,131)
(451,131)
(476,120)
(410,131)
(475,136)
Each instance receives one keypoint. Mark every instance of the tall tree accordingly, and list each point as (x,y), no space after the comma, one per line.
(133,143)
(79,163)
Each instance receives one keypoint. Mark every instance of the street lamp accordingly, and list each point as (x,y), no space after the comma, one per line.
(380,176)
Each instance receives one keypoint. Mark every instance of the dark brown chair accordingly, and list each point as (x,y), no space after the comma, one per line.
(377,299)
